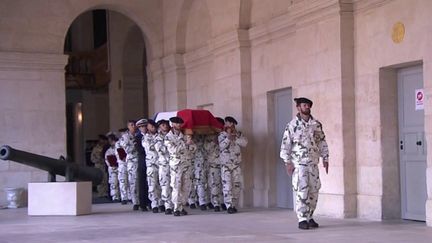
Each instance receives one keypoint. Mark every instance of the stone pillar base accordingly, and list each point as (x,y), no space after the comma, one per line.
(59,198)
(429,212)
(336,205)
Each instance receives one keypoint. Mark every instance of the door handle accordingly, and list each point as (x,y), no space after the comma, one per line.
(419,143)
(401,145)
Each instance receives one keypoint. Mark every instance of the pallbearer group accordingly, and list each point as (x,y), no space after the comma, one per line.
(157,167)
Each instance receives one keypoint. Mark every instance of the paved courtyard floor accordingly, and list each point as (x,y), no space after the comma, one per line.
(118,223)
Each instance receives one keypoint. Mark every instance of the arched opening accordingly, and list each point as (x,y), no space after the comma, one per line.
(106,81)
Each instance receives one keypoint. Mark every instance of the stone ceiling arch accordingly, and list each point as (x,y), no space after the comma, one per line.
(150,36)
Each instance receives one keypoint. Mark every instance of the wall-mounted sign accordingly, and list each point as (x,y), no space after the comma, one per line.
(398,32)
(419,99)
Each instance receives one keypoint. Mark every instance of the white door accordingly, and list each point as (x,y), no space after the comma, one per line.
(412,147)
(283,114)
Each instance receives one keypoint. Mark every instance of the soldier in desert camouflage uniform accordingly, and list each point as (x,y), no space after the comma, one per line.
(164,168)
(122,171)
(152,162)
(230,142)
(303,143)
(181,149)
(97,157)
(129,144)
(112,163)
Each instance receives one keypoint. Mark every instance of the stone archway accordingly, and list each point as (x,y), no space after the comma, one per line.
(110,80)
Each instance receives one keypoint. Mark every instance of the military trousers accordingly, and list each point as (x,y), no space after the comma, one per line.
(102,188)
(215,184)
(164,182)
(306,183)
(154,190)
(192,197)
(199,183)
(113,183)
(180,184)
(132,170)
(123,181)
(231,184)
(142,184)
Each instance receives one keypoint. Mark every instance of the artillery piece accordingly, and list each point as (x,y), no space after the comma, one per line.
(73,197)
(68,169)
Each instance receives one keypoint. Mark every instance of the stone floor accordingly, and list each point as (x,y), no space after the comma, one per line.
(117,223)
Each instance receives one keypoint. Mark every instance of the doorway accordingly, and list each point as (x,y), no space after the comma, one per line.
(105,75)
(282,115)
(412,147)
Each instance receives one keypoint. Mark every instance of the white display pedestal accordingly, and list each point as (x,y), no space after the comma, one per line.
(59,198)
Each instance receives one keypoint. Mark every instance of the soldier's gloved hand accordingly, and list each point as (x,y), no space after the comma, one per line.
(289,167)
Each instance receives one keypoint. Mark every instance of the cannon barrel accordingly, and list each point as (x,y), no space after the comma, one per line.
(70,170)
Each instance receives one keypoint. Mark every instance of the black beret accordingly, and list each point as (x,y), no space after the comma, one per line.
(176,119)
(230,119)
(152,122)
(303,100)
(160,122)
(220,120)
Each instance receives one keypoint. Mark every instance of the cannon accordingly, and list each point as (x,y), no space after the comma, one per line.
(68,169)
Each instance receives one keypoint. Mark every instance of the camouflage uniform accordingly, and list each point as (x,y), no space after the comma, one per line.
(164,170)
(149,143)
(113,175)
(122,174)
(180,158)
(128,143)
(98,160)
(303,143)
(199,174)
(230,158)
(214,173)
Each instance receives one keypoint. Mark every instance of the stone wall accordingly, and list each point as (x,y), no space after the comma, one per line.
(229,55)
(377,162)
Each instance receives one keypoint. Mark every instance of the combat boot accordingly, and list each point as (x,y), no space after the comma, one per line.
(176,213)
(303,225)
(192,206)
(223,206)
(183,212)
(135,207)
(203,207)
(230,210)
(155,210)
(168,211)
(235,209)
(144,208)
(162,208)
(210,206)
(124,202)
(313,224)
(217,209)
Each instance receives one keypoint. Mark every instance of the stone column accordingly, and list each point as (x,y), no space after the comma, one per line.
(348,111)
(156,87)
(32,102)
(174,82)
(231,70)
